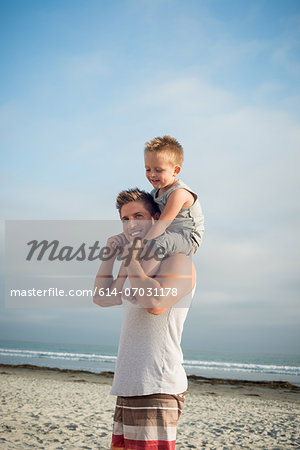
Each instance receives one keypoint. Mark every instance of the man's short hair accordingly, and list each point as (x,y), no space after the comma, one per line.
(136,195)
(167,146)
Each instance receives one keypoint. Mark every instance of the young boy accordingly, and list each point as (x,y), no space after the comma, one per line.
(181,223)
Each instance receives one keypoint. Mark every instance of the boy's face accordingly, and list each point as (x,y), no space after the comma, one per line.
(137,220)
(159,171)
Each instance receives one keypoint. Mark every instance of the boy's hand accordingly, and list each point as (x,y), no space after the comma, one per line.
(132,251)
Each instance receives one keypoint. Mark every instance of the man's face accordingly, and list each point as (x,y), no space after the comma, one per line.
(136,219)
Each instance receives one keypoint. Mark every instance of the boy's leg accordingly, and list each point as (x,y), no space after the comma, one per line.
(165,245)
(147,422)
(150,263)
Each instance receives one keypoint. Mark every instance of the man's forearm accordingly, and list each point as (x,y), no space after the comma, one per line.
(104,277)
(105,284)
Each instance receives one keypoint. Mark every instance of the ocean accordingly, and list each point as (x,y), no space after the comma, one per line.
(97,358)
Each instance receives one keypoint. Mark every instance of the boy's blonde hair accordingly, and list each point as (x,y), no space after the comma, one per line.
(168,147)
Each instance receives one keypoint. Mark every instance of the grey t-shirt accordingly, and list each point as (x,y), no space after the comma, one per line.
(150,356)
(190,219)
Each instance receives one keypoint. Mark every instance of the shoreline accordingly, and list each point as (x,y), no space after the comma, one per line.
(195,379)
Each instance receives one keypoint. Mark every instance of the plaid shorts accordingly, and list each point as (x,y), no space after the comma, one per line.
(147,422)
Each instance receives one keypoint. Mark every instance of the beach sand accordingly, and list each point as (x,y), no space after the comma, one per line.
(53,409)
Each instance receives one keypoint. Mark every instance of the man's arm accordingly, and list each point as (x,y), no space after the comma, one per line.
(104,281)
(178,199)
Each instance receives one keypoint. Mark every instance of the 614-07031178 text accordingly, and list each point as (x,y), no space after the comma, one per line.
(149,292)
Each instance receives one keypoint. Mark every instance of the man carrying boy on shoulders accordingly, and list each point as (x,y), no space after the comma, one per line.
(149,381)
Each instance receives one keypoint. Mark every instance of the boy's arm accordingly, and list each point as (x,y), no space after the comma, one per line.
(174,204)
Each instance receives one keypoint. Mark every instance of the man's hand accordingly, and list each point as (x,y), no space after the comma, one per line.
(119,240)
(130,298)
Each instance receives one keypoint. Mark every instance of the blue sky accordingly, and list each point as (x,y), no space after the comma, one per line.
(84,84)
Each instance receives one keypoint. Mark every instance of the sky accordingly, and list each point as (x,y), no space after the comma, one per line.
(83,86)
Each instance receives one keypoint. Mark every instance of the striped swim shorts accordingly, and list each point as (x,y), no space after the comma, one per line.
(147,422)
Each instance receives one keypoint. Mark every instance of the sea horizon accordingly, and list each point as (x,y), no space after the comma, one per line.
(98,358)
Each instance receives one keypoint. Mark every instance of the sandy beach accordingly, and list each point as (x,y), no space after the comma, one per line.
(54,409)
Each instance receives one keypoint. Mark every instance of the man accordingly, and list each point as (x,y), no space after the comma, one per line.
(149,381)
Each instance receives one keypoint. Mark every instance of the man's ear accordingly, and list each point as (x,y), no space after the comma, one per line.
(177,170)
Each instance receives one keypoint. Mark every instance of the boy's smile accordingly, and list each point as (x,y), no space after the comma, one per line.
(159,171)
